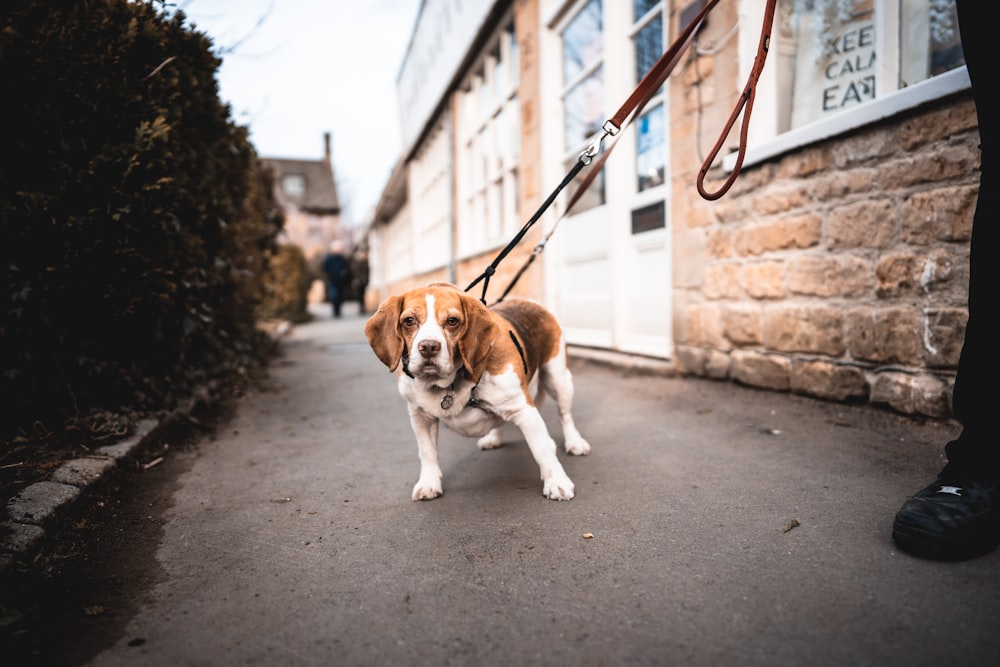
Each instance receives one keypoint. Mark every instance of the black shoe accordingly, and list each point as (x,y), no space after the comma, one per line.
(952,519)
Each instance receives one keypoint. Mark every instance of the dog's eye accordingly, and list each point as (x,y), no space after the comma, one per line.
(452,322)
(409,321)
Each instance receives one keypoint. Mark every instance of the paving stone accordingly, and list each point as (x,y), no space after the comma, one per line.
(130,444)
(19,537)
(81,472)
(37,502)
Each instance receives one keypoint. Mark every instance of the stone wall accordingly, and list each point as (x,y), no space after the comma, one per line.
(839,271)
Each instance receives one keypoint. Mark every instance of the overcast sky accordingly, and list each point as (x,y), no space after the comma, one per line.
(299,68)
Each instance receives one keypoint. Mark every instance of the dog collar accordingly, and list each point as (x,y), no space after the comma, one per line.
(449,398)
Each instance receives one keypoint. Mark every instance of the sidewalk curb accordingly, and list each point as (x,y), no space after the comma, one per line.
(25,516)
(29,512)
(624,361)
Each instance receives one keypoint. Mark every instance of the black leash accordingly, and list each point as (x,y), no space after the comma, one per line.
(492,268)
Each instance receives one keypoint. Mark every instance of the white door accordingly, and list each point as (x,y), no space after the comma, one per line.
(610,278)
(608,271)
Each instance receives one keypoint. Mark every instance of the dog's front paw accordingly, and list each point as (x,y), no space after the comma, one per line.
(427,489)
(558,487)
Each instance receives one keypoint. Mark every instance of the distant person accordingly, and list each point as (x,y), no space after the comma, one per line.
(958,515)
(338,276)
(359,276)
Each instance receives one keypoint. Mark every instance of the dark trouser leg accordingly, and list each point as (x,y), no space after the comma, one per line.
(958,516)
(979,365)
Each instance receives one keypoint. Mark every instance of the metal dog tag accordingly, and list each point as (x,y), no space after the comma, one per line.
(447,401)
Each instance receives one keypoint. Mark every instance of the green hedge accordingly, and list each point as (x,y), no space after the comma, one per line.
(136,221)
(286,286)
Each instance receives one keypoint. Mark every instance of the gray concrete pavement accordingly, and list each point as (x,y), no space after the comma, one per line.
(729,527)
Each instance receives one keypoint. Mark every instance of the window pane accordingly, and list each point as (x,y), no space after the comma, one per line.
(594,194)
(514,133)
(834,57)
(584,110)
(929,40)
(582,41)
(514,63)
(499,82)
(648,47)
(485,103)
(641,7)
(648,218)
(650,158)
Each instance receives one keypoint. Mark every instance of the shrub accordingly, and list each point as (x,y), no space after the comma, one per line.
(286,286)
(135,216)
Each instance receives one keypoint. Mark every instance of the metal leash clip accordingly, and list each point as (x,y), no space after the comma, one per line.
(609,129)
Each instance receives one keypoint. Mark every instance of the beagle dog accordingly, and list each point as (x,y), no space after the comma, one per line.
(474,368)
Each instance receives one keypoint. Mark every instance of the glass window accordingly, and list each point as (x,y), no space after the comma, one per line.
(929,40)
(294,185)
(641,7)
(583,95)
(648,218)
(485,103)
(499,78)
(584,115)
(650,127)
(650,153)
(513,57)
(833,53)
(582,41)
(648,47)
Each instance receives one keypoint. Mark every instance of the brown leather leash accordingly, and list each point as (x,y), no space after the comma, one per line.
(746,100)
(631,109)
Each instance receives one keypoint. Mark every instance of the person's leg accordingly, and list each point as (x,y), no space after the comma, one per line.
(979,363)
(958,516)
(333,296)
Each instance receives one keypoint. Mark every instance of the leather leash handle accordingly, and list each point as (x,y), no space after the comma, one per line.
(745,101)
(658,73)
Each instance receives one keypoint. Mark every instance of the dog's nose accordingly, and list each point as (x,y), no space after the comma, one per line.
(429,348)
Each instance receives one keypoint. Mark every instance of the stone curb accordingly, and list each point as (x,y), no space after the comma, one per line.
(26,514)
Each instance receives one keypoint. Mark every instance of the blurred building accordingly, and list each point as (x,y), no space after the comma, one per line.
(837,265)
(307,193)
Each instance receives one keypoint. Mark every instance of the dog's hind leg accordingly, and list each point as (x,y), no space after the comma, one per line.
(491,440)
(557,381)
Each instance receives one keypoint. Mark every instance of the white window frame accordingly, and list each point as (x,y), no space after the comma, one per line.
(765,142)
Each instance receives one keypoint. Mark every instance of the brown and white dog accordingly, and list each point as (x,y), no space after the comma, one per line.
(474,368)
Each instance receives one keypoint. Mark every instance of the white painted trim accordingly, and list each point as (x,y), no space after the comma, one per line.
(949,83)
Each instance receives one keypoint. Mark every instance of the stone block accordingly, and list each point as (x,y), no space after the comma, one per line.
(886,336)
(942,214)
(824,275)
(19,537)
(867,224)
(760,370)
(39,501)
(742,324)
(808,329)
(128,446)
(913,394)
(82,472)
(835,382)
(764,280)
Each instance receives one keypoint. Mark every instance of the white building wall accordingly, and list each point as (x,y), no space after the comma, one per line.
(440,41)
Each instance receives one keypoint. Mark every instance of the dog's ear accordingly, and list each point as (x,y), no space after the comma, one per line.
(476,342)
(382,330)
